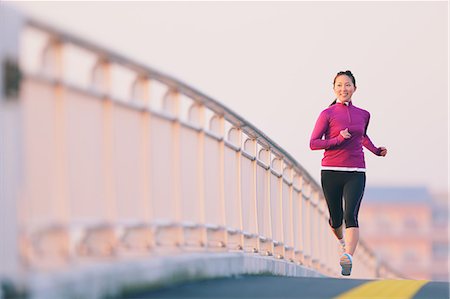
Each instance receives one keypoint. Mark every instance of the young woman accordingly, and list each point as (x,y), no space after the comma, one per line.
(341,130)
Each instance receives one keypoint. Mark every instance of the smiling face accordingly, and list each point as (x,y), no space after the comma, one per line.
(344,88)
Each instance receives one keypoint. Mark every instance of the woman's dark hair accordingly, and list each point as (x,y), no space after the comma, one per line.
(348,74)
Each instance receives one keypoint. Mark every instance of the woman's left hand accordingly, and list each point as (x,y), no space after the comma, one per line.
(383,151)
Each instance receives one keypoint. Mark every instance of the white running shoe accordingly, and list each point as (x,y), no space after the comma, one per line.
(346,263)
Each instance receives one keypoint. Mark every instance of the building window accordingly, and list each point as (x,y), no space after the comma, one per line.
(410,255)
(411,224)
(440,216)
(440,251)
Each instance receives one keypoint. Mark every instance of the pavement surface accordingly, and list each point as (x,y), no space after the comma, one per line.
(299,287)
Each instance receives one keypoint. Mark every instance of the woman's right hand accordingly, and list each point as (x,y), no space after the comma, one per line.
(345,134)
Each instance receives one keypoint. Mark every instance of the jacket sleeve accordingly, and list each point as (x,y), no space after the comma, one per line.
(367,143)
(322,125)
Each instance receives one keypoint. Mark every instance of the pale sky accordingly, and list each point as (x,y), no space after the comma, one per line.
(273,63)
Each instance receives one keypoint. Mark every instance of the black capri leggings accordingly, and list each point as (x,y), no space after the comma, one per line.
(350,185)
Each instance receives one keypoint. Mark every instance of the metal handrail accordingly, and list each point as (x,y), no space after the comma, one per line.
(181,87)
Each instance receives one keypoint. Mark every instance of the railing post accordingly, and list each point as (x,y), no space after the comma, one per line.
(214,180)
(288,212)
(329,249)
(233,192)
(324,251)
(299,219)
(102,82)
(192,191)
(308,224)
(263,202)
(248,188)
(143,95)
(139,238)
(315,230)
(171,106)
(55,235)
(11,24)
(276,199)
(54,56)
(100,239)
(165,174)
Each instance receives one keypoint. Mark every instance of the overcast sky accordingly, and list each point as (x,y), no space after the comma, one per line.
(273,63)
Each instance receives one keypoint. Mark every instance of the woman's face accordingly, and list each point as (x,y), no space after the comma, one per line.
(344,88)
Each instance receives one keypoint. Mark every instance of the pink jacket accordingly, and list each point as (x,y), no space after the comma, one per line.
(341,152)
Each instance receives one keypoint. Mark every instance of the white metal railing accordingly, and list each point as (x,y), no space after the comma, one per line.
(155,167)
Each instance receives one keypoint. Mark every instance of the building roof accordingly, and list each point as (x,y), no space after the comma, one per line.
(397,194)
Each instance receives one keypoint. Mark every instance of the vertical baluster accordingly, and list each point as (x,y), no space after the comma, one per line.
(264,204)
(12,203)
(214,185)
(142,87)
(100,239)
(276,193)
(49,236)
(315,230)
(299,220)
(324,251)
(140,238)
(248,187)
(192,177)
(61,201)
(233,192)
(328,249)
(171,104)
(168,230)
(288,212)
(308,227)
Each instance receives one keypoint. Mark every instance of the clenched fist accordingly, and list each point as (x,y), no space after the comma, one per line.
(346,134)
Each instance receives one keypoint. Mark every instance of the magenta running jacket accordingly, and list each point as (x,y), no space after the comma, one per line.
(341,152)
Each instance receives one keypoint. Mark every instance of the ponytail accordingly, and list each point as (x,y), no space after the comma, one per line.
(334,102)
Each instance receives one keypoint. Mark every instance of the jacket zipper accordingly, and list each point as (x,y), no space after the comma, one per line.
(348,114)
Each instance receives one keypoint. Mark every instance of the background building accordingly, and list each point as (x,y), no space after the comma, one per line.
(407,227)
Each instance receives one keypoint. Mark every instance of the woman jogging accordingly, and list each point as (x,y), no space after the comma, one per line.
(341,130)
